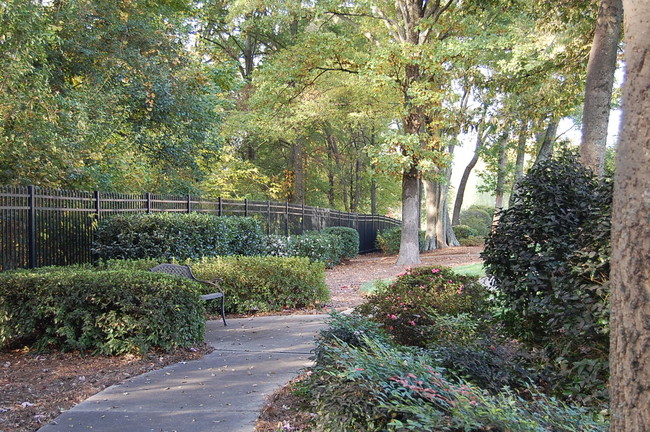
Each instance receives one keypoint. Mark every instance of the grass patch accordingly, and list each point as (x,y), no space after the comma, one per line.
(371,287)
(470,270)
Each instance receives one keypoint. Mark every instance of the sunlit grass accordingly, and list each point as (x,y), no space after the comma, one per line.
(470,270)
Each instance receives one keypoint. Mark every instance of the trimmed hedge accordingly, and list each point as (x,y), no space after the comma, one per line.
(107,312)
(263,284)
(177,236)
(389,240)
(318,246)
(349,240)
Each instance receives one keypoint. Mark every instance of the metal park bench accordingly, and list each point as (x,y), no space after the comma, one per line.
(186,272)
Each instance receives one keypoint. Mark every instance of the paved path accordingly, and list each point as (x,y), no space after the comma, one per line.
(222,392)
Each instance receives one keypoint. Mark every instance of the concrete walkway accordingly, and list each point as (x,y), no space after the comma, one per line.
(222,392)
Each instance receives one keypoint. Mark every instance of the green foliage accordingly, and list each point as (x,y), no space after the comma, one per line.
(253,284)
(472,241)
(376,386)
(106,312)
(318,246)
(478,219)
(412,303)
(464,231)
(550,257)
(168,236)
(389,240)
(349,238)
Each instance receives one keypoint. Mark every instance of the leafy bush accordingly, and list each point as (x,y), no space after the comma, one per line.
(478,219)
(376,386)
(317,246)
(176,236)
(464,231)
(277,245)
(107,312)
(550,257)
(389,240)
(472,241)
(411,303)
(263,284)
(550,254)
(349,239)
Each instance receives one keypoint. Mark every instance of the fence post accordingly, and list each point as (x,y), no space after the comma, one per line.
(268,217)
(98,207)
(286,218)
(32,227)
(189,203)
(219,207)
(302,219)
(245,207)
(148,197)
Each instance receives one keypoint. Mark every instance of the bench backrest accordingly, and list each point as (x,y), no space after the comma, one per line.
(174,269)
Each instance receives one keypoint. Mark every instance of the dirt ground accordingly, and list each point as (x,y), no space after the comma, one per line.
(35,388)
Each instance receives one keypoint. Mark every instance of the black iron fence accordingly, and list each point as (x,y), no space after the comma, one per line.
(42,227)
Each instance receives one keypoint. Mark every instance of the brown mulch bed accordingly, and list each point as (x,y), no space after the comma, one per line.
(35,388)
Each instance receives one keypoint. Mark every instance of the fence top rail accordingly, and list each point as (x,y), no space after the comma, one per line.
(193,200)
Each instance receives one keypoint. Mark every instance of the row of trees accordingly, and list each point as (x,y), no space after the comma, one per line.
(352,105)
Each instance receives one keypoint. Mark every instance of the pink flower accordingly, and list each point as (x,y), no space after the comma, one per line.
(412,323)
(435,270)
(393,317)
(460,289)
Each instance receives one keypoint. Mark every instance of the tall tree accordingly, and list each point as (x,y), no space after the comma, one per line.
(600,81)
(630,273)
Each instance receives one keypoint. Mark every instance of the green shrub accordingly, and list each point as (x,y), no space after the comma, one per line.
(472,241)
(317,246)
(107,312)
(349,239)
(263,284)
(478,219)
(176,236)
(464,231)
(277,245)
(376,386)
(388,241)
(550,257)
(411,303)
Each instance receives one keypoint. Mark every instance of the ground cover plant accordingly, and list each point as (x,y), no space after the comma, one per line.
(363,381)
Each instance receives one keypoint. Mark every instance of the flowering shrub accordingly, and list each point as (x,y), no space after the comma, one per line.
(409,306)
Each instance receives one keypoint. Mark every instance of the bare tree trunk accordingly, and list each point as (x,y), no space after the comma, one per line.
(501,173)
(521,158)
(297,159)
(409,250)
(630,272)
(460,195)
(546,149)
(600,80)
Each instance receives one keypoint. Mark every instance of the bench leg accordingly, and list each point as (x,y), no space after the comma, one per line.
(223,310)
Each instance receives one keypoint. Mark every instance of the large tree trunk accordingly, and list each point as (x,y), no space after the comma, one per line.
(438,233)
(409,250)
(630,272)
(460,195)
(600,80)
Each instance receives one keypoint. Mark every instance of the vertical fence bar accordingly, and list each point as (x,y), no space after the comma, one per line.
(97,202)
(268,217)
(286,218)
(302,219)
(32,227)
(219,207)
(189,203)
(245,207)
(148,198)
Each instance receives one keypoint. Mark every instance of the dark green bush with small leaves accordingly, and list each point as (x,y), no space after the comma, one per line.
(549,255)
(349,239)
(318,246)
(464,231)
(105,312)
(410,304)
(478,218)
(176,236)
